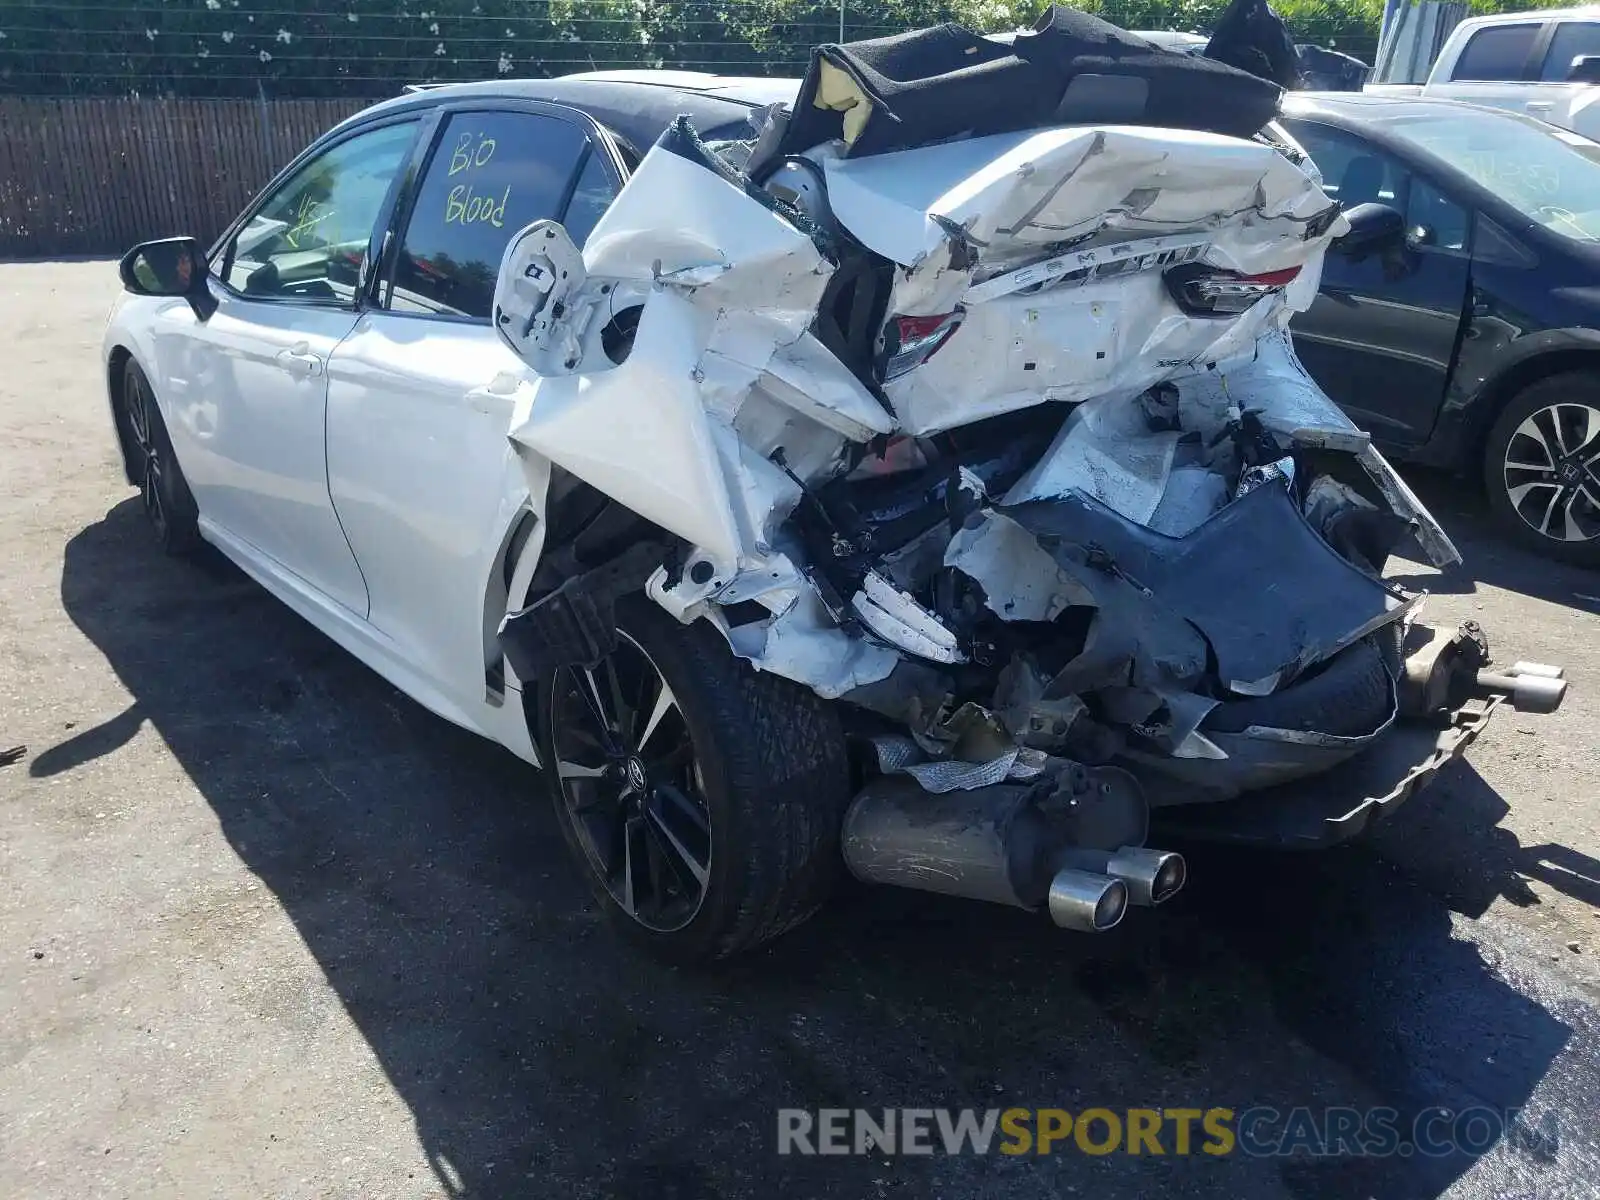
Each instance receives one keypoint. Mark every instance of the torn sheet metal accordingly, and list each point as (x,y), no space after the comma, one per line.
(1109,338)
(1269,380)
(810,380)
(1269,595)
(1127,578)
(1435,542)
(1108,450)
(804,644)
(639,432)
(1012,195)
(680,210)
(1272,382)
(1021,579)
(722,283)
(1136,638)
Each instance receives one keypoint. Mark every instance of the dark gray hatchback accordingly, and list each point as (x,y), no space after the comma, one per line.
(1471,340)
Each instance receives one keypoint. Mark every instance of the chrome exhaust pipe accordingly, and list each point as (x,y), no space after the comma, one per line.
(1543,670)
(1087,902)
(993,843)
(1153,876)
(1530,691)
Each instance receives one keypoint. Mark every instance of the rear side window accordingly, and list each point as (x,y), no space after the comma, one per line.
(491,173)
(1353,171)
(1572,39)
(1499,52)
(590,199)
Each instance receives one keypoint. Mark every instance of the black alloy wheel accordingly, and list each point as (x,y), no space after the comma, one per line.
(163,491)
(626,769)
(701,798)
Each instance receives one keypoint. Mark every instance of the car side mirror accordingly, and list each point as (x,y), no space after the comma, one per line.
(1373,228)
(169,267)
(1585,68)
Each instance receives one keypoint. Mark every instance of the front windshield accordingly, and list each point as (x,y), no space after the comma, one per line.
(1550,174)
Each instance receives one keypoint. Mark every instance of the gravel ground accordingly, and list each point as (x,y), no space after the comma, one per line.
(269,928)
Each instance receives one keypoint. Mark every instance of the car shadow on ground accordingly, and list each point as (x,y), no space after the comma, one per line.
(540,1057)
(1490,556)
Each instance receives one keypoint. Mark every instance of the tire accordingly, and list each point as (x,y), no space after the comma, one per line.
(733,815)
(1541,468)
(1349,697)
(168,503)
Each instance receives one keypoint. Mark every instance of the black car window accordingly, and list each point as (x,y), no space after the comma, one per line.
(491,173)
(1498,53)
(1492,244)
(1435,221)
(590,199)
(308,240)
(1354,171)
(1572,40)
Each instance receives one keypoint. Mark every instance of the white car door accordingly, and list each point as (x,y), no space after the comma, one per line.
(248,386)
(422,473)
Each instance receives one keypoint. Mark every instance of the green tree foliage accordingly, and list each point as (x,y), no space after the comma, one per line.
(372,47)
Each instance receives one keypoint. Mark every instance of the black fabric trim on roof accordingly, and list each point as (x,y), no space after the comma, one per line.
(931,85)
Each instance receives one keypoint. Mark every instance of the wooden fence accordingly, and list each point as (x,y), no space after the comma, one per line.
(94,175)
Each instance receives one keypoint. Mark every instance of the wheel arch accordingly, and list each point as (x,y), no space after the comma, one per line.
(116,373)
(566,532)
(1504,386)
(515,540)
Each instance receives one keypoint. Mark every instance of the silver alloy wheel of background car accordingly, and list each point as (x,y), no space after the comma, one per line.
(1552,471)
(632,787)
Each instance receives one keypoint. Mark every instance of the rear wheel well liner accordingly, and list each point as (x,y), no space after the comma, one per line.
(576,511)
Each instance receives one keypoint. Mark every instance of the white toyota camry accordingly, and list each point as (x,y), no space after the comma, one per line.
(823,472)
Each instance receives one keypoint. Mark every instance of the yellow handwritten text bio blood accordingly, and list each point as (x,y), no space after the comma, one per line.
(465,205)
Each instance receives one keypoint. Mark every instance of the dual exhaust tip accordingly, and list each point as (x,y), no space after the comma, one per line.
(1532,686)
(994,843)
(1094,893)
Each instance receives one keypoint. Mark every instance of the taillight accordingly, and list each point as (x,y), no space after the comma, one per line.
(1203,291)
(911,341)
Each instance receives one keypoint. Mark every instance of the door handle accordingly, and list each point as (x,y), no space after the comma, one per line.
(300,360)
(1540,105)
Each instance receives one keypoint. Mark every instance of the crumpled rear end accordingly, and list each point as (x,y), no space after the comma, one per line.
(1002,443)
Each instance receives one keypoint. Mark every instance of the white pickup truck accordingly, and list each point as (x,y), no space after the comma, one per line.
(1545,64)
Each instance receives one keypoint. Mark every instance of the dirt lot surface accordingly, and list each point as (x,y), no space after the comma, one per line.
(267,928)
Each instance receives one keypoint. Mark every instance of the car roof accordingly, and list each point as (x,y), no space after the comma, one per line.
(1374,114)
(1362,107)
(638,106)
